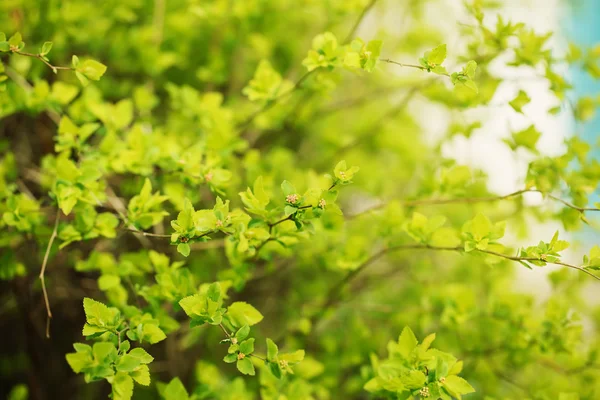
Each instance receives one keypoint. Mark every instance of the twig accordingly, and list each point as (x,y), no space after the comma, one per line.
(361,16)
(54,68)
(225,331)
(146,233)
(43,271)
(119,336)
(471,200)
(268,105)
(118,205)
(26,86)
(387,60)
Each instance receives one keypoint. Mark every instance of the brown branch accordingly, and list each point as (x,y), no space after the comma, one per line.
(43,272)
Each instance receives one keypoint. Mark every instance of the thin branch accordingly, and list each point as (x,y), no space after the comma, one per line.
(43,272)
(471,200)
(379,123)
(146,233)
(54,68)
(26,86)
(119,206)
(289,217)
(125,329)
(225,331)
(333,295)
(361,16)
(259,357)
(387,60)
(269,104)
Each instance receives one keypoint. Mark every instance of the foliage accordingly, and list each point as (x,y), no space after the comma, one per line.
(198,184)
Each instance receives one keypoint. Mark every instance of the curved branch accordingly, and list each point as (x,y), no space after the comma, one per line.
(43,272)
(333,295)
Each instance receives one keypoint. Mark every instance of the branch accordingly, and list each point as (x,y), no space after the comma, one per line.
(145,233)
(54,68)
(361,16)
(369,133)
(471,200)
(333,295)
(43,271)
(269,104)
(387,60)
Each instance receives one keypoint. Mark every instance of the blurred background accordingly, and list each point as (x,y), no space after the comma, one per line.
(165,54)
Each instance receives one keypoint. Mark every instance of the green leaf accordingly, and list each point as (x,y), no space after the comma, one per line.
(272,350)
(407,342)
(247,346)
(520,101)
(142,355)
(127,363)
(46,47)
(458,385)
(242,333)
(141,375)
(480,226)
(175,391)
(183,249)
(241,313)
(122,386)
(91,69)
(15,40)
(230,358)
(214,291)
(152,333)
(437,55)
(98,314)
(245,366)
(287,188)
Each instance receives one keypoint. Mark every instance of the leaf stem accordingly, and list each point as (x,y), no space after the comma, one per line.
(43,272)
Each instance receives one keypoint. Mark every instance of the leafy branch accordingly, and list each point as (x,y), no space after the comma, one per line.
(85,71)
(334,294)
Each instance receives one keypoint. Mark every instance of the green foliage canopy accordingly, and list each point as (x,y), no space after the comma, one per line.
(211,187)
